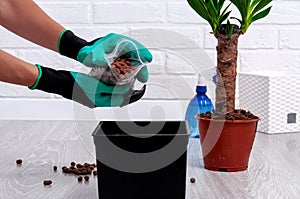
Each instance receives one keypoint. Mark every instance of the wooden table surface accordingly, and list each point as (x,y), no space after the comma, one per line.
(274,170)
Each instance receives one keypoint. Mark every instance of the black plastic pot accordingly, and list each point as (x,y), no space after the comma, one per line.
(148,167)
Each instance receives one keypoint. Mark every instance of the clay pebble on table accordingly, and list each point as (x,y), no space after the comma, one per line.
(47,182)
(193,180)
(80,179)
(76,169)
(86,178)
(79,169)
(95,173)
(19,161)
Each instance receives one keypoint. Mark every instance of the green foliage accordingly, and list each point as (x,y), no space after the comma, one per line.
(214,13)
(251,10)
(229,29)
(211,11)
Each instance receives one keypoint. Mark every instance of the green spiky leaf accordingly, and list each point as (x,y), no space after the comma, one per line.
(237,20)
(215,13)
(260,5)
(229,29)
(212,11)
(251,10)
(261,14)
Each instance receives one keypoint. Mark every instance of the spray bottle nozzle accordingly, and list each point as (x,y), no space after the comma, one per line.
(201,80)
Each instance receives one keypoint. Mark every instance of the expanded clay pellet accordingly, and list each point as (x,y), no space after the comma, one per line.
(19,161)
(47,182)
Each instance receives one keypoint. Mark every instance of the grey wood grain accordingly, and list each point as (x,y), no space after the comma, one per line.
(274,170)
(41,145)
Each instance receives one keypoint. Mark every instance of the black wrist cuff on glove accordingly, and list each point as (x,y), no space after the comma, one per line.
(70,45)
(62,83)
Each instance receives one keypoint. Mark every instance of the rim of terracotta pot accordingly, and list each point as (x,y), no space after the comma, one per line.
(228,121)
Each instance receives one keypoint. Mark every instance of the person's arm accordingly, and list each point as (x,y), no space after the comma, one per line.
(26,19)
(71,85)
(16,71)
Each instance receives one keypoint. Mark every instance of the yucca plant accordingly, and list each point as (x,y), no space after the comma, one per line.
(217,14)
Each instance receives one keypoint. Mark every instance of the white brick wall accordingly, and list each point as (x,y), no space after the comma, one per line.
(271,44)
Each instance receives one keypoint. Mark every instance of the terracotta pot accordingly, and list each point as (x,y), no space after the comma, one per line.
(226,145)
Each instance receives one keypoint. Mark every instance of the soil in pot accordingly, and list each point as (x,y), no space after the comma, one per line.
(238,114)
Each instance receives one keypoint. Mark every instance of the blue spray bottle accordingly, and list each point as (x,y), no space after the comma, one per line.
(199,104)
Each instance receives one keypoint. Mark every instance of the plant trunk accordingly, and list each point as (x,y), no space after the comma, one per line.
(227,53)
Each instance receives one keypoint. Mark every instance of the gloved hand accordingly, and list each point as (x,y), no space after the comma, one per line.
(92,53)
(83,88)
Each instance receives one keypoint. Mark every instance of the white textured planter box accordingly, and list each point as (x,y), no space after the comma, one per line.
(274,98)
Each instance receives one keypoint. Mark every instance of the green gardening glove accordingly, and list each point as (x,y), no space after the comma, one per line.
(100,94)
(92,54)
(83,88)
